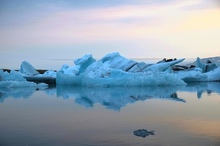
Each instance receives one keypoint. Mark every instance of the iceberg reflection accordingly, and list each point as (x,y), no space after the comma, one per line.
(117,97)
(15,93)
(202,87)
(21,92)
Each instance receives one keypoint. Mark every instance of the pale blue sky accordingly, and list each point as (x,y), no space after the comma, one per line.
(68,29)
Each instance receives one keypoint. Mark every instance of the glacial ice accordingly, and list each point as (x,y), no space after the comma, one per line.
(12,76)
(15,79)
(27,69)
(29,73)
(203,72)
(206,67)
(163,66)
(114,70)
(116,61)
(114,77)
(83,63)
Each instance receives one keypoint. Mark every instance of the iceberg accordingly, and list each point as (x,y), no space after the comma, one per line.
(113,70)
(31,74)
(198,75)
(15,79)
(206,67)
(27,69)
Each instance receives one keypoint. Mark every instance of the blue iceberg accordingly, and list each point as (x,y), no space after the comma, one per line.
(114,70)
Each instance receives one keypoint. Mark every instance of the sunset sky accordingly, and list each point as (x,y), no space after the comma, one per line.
(68,29)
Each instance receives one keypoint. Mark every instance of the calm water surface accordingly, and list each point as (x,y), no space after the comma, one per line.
(66,115)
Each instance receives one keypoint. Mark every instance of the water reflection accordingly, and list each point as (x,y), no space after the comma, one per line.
(118,97)
(15,93)
(114,98)
(23,92)
(47,119)
(200,88)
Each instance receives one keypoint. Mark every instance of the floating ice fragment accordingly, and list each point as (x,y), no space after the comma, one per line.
(206,67)
(27,69)
(15,79)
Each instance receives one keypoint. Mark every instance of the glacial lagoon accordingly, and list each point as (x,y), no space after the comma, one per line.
(68,115)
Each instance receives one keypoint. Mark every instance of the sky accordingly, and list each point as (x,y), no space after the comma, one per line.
(69,29)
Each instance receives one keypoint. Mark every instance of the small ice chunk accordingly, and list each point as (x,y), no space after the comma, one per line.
(15,79)
(27,69)
(206,67)
(12,76)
